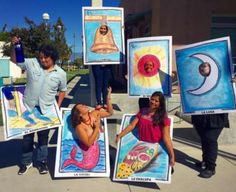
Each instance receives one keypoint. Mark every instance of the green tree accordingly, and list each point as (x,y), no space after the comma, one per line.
(23,33)
(4,35)
(34,36)
(79,62)
(60,41)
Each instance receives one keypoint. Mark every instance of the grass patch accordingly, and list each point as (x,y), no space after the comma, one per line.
(83,71)
(20,81)
(69,74)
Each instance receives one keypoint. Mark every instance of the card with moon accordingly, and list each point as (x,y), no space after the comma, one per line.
(205,72)
(149,66)
(17,121)
(76,160)
(141,161)
(103,35)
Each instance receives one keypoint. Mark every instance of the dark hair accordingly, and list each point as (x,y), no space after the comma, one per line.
(203,65)
(160,113)
(106,28)
(49,51)
(75,116)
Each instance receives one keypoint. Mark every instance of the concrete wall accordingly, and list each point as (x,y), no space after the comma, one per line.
(9,69)
(228,135)
(15,71)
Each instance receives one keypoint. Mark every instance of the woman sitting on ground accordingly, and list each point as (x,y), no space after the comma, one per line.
(153,124)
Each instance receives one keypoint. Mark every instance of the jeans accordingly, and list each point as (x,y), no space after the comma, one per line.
(102,76)
(28,146)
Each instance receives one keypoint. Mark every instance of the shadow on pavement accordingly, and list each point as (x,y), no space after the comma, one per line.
(188,136)
(185,159)
(51,160)
(66,102)
(81,87)
(83,80)
(53,139)
(10,153)
(81,91)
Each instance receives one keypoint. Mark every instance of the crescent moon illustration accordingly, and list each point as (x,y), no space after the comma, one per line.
(211,80)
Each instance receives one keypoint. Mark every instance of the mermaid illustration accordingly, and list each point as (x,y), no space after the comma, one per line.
(87,125)
(90,157)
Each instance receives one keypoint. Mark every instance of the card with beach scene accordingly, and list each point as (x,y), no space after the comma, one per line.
(17,121)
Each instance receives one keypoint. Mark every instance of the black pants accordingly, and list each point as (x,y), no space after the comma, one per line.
(209,137)
(101,76)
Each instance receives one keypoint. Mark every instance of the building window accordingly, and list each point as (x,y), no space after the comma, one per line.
(223,26)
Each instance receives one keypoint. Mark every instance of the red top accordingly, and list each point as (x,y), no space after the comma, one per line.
(148,132)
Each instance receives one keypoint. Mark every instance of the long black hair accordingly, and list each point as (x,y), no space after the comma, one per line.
(75,116)
(160,113)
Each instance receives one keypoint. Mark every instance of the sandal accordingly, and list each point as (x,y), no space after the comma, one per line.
(98,107)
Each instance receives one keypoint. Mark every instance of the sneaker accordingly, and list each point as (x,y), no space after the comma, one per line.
(43,168)
(24,168)
(105,107)
(207,173)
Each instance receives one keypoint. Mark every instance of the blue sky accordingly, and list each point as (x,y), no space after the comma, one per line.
(12,13)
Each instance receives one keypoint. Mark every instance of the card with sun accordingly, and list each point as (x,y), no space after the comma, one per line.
(149,66)
(205,72)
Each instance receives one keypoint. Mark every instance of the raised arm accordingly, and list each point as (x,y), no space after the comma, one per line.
(109,111)
(13,54)
(129,128)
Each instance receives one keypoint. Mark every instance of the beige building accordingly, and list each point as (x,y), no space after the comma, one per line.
(7,68)
(187,21)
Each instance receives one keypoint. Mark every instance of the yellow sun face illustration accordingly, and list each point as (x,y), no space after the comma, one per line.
(147,62)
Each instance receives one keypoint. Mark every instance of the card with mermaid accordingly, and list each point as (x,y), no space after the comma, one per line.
(73,159)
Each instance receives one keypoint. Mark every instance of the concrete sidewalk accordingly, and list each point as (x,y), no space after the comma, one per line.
(186,145)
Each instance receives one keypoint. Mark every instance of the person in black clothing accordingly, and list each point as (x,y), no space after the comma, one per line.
(209,128)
